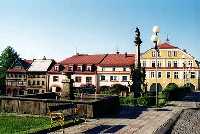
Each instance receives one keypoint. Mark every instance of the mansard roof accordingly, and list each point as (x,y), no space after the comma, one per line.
(83,59)
(118,60)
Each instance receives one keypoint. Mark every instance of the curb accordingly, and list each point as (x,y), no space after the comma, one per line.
(164,128)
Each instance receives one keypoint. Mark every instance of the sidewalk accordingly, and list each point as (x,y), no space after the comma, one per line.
(133,120)
(146,123)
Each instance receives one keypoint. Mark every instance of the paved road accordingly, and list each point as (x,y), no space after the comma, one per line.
(134,120)
(130,120)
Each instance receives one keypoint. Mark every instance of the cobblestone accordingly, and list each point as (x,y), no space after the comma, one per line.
(188,123)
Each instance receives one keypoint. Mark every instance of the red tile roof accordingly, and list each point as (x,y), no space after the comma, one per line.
(28,61)
(118,60)
(166,46)
(83,59)
(16,70)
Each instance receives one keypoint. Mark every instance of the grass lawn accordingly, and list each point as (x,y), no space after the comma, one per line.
(12,124)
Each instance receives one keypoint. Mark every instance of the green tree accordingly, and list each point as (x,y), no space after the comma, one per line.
(7,59)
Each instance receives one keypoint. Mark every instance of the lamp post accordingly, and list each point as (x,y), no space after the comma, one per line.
(184,73)
(155,39)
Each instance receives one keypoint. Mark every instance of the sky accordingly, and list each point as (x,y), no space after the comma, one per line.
(59,28)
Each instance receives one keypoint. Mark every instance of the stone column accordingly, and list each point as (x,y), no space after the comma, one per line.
(67,91)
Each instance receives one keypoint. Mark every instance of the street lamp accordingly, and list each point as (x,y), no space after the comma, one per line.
(155,39)
(184,73)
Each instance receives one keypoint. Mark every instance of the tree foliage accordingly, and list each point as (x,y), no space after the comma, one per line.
(7,59)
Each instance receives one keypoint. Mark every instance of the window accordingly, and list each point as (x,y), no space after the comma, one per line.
(169,53)
(175,75)
(36,91)
(124,78)
(192,75)
(33,82)
(159,74)
(169,64)
(70,68)
(15,75)
(42,82)
(159,64)
(153,64)
(29,82)
(152,74)
(78,79)
(144,64)
(175,64)
(113,69)
(20,83)
(9,83)
(124,69)
(55,78)
(102,77)
(168,74)
(190,63)
(88,79)
(103,69)
(56,68)
(184,75)
(113,78)
(79,68)
(153,54)
(88,68)
(38,82)
(175,53)
(20,76)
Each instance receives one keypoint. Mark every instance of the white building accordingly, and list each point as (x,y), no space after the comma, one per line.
(115,69)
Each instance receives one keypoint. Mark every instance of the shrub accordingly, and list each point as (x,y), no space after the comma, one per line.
(175,92)
(105,90)
(143,100)
(129,100)
(118,88)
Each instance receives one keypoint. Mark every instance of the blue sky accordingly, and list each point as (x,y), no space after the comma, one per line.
(57,28)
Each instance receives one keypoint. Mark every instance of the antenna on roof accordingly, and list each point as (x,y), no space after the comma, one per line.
(117,50)
(167,38)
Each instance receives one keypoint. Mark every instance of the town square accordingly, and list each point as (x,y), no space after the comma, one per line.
(89,66)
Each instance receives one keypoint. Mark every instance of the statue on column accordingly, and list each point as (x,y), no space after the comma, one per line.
(68,89)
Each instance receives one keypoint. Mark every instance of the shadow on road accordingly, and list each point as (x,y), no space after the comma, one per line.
(104,129)
(194,96)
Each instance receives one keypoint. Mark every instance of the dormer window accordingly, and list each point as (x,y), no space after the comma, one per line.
(79,68)
(56,68)
(88,68)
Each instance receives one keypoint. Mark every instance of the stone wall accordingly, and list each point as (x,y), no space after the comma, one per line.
(92,108)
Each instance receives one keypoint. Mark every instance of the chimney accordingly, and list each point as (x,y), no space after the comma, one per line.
(44,58)
(126,54)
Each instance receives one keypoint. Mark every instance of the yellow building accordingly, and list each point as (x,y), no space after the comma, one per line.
(174,66)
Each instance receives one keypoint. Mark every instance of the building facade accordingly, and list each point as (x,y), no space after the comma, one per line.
(84,69)
(16,78)
(37,76)
(174,66)
(115,69)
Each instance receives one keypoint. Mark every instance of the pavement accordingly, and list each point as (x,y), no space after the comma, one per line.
(135,120)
